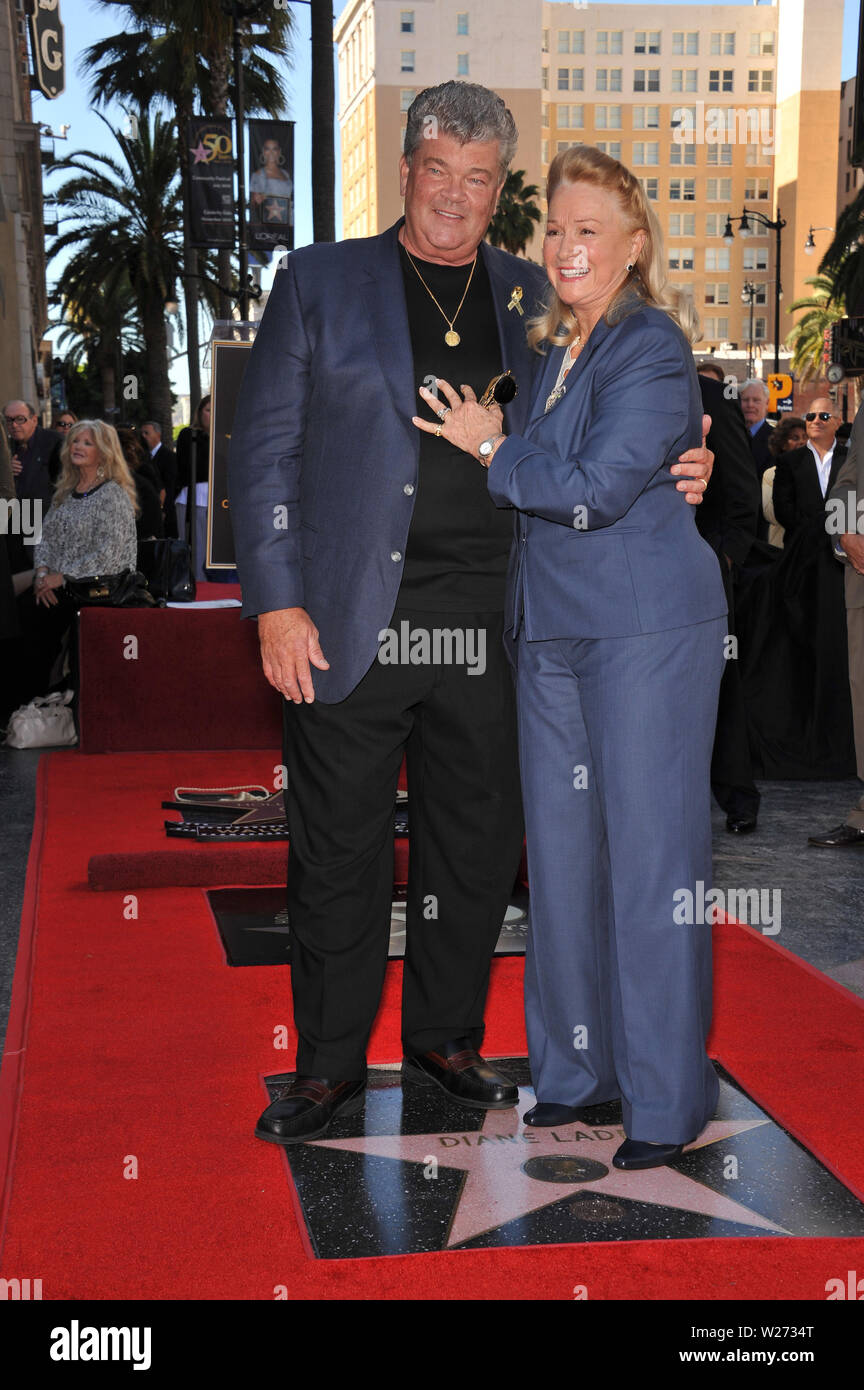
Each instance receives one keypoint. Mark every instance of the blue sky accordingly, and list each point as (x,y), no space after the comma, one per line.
(84,23)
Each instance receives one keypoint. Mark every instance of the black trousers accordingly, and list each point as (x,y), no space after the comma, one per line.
(731,770)
(458,732)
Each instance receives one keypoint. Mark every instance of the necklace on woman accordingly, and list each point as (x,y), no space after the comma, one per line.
(92,488)
(451,337)
(560,387)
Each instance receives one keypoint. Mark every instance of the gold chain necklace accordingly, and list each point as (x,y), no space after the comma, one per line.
(451,337)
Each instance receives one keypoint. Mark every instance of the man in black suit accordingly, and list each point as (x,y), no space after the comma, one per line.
(164,461)
(728,521)
(35,466)
(805,476)
(754,404)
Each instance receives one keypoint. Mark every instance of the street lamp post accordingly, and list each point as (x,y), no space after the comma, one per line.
(239,10)
(775,225)
(810,245)
(749,293)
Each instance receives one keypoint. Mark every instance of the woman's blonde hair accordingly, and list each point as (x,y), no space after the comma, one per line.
(585,164)
(111,460)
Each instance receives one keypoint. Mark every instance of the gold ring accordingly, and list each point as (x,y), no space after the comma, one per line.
(439,430)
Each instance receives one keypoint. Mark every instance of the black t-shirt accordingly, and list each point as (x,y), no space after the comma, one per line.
(458,542)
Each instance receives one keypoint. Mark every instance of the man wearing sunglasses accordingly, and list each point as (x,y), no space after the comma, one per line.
(805,476)
(35,452)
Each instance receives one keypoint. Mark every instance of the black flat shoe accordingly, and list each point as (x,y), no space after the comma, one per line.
(638,1153)
(544,1115)
(458,1069)
(842,837)
(740,825)
(304,1108)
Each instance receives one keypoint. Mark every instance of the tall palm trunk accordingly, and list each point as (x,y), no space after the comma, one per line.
(158,383)
(323,140)
(220,65)
(108,380)
(190,262)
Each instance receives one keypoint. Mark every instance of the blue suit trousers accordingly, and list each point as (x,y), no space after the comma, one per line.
(615,739)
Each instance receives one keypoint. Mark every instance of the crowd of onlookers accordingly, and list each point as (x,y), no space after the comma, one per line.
(97,494)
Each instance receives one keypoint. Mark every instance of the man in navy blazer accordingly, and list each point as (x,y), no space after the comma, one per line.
(347,529)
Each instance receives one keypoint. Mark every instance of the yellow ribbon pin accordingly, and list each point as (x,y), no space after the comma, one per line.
(515,299)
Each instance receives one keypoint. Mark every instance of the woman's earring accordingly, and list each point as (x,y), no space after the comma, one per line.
(628,267)
(100,472)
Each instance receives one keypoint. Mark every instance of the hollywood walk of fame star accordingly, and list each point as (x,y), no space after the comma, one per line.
(201,153)
(275,210)
(498,1189)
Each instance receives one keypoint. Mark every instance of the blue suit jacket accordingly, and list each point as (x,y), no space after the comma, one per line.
(323,461)
(606,546)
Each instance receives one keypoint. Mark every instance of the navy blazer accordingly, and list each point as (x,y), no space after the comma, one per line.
(606,546)
(323,463)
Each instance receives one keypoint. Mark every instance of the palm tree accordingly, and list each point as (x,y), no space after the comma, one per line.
(323,141)
(178,52)
(513,224)
(808,336)
(97,308)
(129,214)
(844,259)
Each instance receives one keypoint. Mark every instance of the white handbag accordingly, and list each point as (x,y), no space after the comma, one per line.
(46,722)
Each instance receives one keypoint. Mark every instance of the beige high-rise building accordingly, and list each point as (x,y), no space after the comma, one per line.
(716,109)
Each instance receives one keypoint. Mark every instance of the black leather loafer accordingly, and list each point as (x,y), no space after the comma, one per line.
(842,837)
(545,1115)
(304,1108)
(459,1070)
(638,1153)
(740,825)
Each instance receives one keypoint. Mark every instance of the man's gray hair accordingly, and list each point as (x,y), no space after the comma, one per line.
(153,423)
(465,111)
(757,381)
(26,404)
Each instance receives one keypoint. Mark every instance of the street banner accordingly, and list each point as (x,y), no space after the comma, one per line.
(210,183)
(271,186)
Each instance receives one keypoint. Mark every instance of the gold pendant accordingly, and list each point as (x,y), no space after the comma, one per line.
(451,338)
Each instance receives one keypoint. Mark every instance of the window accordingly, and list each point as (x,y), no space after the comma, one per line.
(682,189)
(720,79)
(753,156)
(716,330)
(755,258)
(601,79)
(716,294)
(651,189)
(571,79)
(719,191)
(759,326)
(608,79)
(680,257)
(544,151)
(719,154)
(682,154)
(682,224)
(461,64)
(407,61)
(761,44)
(760,80)
(647,41)
(406,22)
(646,80)
(562,145)
(646,117)
(610,41)
(461,24)
(685,41)
(545,47)
(685,79)
(607,117)
(714,224)
(571,40)
(611,147)
(756,191)
(723,43)
(571,117)
(544,79)
(717,258)
(646,152)
(406,96)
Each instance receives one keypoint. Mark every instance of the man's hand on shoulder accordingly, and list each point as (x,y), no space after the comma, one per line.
(289,642)
(695,464)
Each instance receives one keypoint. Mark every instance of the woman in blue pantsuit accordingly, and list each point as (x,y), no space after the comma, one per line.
(619,619)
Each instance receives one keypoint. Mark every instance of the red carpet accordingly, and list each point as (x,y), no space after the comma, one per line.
(129,1039)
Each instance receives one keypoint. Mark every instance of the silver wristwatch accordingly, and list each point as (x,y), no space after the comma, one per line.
(488,445)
